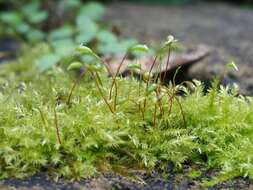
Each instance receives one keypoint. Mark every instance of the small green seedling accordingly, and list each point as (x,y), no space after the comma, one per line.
(94,67)
(84,50)
(194,174)
(135,49)
(232,65)
(170,40)
(75,66)
(134,66)
(139,49)
(225,70)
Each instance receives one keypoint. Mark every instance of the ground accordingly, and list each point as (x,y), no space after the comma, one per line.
(228,30)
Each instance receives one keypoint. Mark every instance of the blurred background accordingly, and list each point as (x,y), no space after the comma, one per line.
(112,26)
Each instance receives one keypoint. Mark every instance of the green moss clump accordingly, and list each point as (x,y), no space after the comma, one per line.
(217,131)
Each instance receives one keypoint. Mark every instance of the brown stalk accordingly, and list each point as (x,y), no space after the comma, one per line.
(159,100)
(167,65)
(181,110)
(96,76)
(115,96)
(42,118)
(117,72)
(147,83)
(56,126)
(74,86)
(154,120)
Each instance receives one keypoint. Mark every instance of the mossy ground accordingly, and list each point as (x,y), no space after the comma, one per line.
(217,132)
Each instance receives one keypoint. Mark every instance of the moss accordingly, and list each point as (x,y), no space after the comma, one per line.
(217,131)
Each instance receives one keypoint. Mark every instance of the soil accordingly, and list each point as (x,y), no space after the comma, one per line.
(226,29)
(157,180)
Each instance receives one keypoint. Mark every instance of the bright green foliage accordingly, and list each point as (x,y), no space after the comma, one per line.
(232,65)
(75,66)
(218,131)
(139,49)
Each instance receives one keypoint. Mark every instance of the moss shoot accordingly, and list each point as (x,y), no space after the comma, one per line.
(41,132)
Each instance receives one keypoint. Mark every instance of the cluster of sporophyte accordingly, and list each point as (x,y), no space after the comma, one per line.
(98,124)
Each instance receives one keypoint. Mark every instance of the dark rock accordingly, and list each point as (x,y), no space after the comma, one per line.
(8,49)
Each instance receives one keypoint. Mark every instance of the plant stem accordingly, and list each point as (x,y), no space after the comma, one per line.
(115,96)
(130,85)
(43,118)
(96,76)
(56,126)
(181,110)
(139,94)
(117,72)
(74,86)
(147,83)
(171,102)
(159,99)
(155,115)
(167,65)
(152,66)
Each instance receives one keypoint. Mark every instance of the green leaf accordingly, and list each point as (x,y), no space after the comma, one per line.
(35,35)
(232,65)
(105,36)
(47,61)
(133,66)
(38,17)
(128,43)
(95,67)
(11,18)
(70,4)
(30,8)
(23,27)
(85,24)
(139,49)
(87,29)
(63,47)
(88,59)
(115,48)
(84,38)
(75,66)
(63,32)
(84,50)
(92,10)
